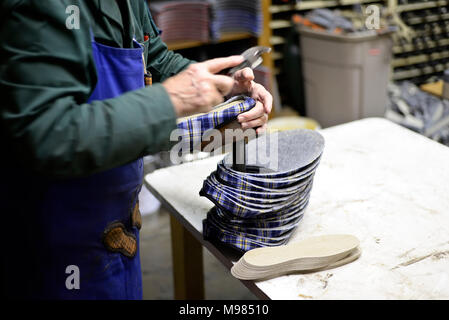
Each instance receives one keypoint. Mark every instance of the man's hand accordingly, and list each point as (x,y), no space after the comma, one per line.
(199,87)
(257,117)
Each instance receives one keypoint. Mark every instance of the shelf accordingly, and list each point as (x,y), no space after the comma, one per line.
(280,24)
(419,63)
(429,45)
(428,19)
(277,55)
(421,33)
(226,37)
(421,6)
(402,62)
(308,5)
(421,58)
(407,74)
(276,40)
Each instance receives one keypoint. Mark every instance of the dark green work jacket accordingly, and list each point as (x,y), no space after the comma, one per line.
(47,74)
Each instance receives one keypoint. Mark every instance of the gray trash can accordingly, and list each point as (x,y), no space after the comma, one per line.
(346,76)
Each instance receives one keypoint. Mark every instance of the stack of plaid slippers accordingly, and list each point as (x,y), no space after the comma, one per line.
(263,205)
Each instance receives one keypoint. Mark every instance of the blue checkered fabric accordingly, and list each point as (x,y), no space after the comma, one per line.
(255,234)
(260,184)
(263,212)
(237,240)
(274,176)
(277,222)
(192,129)
(260,228)
(265,194)
(246,208)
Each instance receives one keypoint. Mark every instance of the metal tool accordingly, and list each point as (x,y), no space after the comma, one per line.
(253,58)
(239,155)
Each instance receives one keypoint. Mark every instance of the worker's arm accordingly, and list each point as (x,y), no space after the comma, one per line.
(47,74)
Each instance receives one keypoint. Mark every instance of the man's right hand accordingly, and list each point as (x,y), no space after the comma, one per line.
(198,88)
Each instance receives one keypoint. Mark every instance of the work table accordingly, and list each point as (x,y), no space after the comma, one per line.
(378,181)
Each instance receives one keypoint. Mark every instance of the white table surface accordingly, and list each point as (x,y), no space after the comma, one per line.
(378,181)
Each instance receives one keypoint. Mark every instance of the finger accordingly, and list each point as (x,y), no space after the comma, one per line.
(244,75)
(262,129)
(263,95)
(267,101)
(218,64)
(254,113)
(223,84)
(255,123)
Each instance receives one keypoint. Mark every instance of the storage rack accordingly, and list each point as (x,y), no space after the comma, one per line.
(280,22)
(428,53)
(425,56)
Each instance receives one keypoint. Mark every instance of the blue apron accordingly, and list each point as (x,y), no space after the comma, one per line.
(62,223)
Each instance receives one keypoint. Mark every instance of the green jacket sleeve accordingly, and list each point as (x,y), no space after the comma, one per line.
(47,74)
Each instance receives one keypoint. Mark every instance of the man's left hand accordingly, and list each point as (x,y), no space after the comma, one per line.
(257,117)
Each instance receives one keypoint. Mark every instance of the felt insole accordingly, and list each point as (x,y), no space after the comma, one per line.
(311,249)
(294,150)
(243,271)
